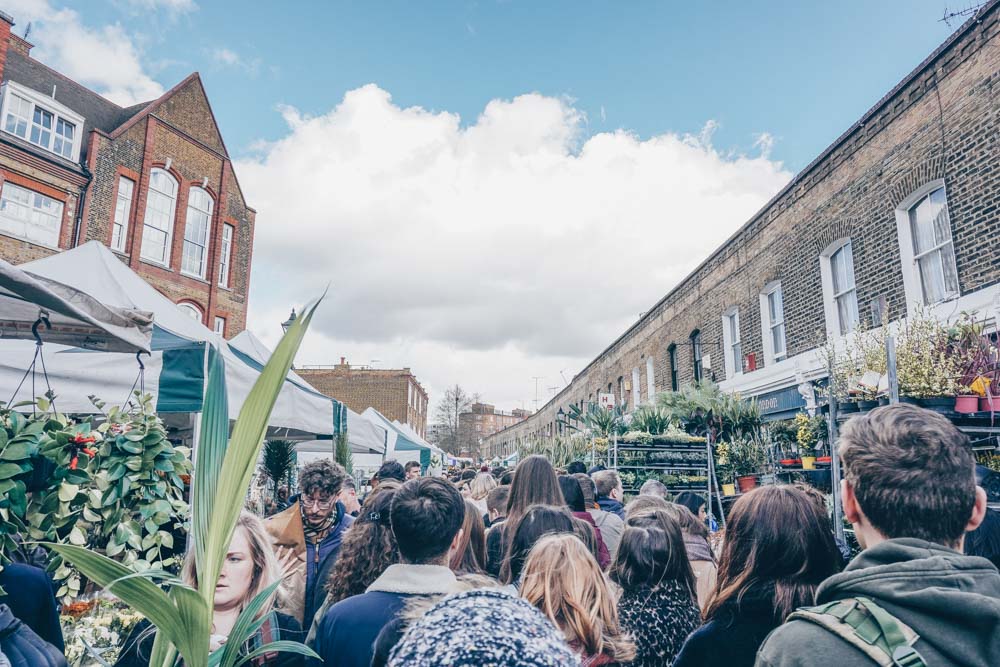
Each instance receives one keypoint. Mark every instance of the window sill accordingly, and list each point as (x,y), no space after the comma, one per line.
(37,243)
(193,276)
(153,262)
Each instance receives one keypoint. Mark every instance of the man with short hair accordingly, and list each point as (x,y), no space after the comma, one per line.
(310,532)
(654,487)
(610,525)
(610,492)
(911,597)
(496,504)
(576,466)
(412,470)
(349,497)
(426,517)
(391,469)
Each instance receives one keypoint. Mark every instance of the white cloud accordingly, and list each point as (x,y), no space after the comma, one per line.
(484,254)
(228,58)
(170,6)
(105,59)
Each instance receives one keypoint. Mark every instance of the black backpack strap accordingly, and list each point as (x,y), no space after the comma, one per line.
(868,627)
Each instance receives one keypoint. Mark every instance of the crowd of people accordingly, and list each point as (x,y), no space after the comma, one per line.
(539,566)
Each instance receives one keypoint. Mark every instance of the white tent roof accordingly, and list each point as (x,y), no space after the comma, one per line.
(362,434)
(72,316)
(75,374)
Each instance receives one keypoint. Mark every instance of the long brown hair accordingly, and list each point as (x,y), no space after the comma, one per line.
(534,483)
(369,547)
(652,553)
(521,537)
(470,555)
(775,537)
(563,580)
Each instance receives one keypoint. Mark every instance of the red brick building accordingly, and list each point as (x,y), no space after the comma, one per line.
(395,393)
(483,420)
(152,181)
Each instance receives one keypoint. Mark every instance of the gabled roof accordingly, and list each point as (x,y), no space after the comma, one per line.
(99,113)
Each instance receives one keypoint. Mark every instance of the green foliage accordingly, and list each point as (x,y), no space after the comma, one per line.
(183,616)
(559,451)
(343,453)
(703,408)
(116,488)
(651,419)
(279,459)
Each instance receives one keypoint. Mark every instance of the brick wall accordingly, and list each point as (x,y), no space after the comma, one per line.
(388,391)
(942,122)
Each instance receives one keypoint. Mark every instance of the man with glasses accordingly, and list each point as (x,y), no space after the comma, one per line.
(308,534)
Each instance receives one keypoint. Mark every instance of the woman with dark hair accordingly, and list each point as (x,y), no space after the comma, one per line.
(369,548)
(538,521)
(693,502)
(573,495)
(469,556)
(778,549)
(658,604)
(699,551)
(534,483)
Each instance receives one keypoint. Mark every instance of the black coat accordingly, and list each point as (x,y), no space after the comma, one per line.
(732,637)
(32,601)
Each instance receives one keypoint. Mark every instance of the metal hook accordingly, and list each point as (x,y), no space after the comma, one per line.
(42,319)
(142,366)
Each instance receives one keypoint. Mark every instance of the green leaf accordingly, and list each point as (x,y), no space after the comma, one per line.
(283,646)
(17,451)
(8,470)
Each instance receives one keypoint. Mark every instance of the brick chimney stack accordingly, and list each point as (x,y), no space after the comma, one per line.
(6,23)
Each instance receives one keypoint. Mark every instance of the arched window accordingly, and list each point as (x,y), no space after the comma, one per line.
(840,294)
(199,219)
(191,310)
(930,275)
(158,223)
(672,363)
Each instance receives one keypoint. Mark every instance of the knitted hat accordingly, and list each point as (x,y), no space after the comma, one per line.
(484,627)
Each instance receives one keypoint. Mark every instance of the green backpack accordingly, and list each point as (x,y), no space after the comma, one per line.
(865,625)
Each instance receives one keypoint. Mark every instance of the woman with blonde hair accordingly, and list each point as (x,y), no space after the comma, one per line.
(469,556)
(479,488)
(250,567)
(562,578)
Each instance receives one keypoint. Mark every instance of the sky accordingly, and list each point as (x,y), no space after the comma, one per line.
(494,191)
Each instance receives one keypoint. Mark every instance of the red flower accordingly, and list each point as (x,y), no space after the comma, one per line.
(73,462)
(80,439)
(89,452)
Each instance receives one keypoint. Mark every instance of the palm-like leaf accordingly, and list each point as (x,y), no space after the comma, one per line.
(222,477)
(279,458)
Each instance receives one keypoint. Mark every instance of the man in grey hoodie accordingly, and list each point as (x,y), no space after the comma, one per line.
(909,490)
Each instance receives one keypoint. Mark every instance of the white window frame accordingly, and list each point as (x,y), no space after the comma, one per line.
(912,286)
(731,323)
(4,217)
(226,255)
(123,213)
(830,297)
(167,250)
(58,111)
(190,310)
(192,209)
(220,326)
(650,381)
(767,326)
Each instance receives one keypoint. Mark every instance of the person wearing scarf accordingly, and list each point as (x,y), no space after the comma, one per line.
(307,536)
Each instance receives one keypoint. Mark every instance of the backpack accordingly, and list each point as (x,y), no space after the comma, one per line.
(868,627)
(22,647)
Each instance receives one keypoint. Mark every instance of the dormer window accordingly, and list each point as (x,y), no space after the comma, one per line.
(41,120)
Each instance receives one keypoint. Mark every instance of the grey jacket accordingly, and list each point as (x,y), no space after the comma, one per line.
(952,601)
(611,528)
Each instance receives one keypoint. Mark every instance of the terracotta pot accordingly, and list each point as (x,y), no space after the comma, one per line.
(984,404)
(808,462)
(746,482)
(729,489)
(966,404)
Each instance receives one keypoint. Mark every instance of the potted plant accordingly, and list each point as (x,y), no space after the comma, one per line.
(747,457)
(927,366)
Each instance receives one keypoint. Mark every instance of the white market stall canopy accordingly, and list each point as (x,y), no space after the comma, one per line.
(362,435)
(175,372)
(64,314)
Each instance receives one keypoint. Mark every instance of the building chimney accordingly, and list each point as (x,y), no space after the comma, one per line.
(343,361)
(6,23)
(20,44)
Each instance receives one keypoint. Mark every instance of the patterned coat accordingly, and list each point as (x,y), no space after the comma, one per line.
(659,620)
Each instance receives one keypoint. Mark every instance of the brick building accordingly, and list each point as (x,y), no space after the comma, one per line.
(152,181)
(395,393)
(904,206)
(483,420)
